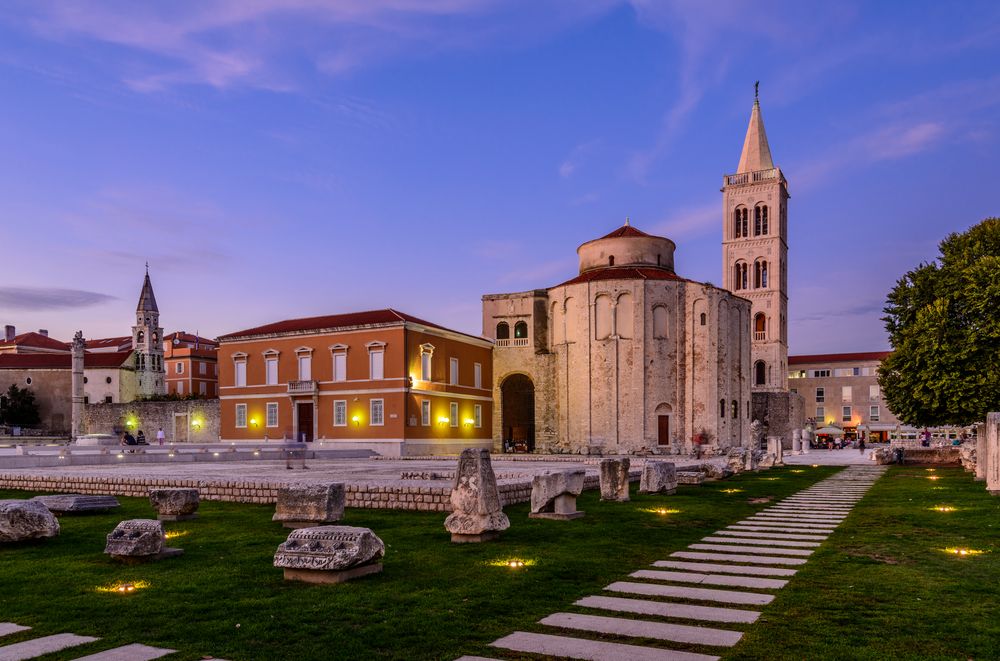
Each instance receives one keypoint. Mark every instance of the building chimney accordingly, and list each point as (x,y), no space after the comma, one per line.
(43,332)
(8,333)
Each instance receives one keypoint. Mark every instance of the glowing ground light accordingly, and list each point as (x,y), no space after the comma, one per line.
(512,563)
(798,471)
(732,491)
(962,552)
(256,453)
(174,534)
(662,511)
(123,587)
(815,465)
(933,477)
(771,479)
(215,454)
(121,456)
(943,508)
(931,470)
(170,454)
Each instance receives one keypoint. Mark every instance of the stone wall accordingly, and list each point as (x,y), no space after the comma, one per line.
(363,496)
(782,412)
(195,421)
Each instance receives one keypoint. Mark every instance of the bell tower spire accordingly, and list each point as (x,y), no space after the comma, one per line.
(755,252)
(147,343)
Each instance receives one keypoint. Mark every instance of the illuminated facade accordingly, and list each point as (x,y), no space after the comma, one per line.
(191,364)
(627,355)
(380,380)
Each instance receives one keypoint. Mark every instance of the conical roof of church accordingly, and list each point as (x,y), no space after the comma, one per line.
(147,302)
(756,152)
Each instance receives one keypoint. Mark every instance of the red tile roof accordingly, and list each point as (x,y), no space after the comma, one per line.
(203,342)
(624,273)
(624,230)
(106,342)
(838,357)
(337,321)
(61,361)
(39,341)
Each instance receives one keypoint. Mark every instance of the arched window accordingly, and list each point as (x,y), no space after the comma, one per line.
(763,274)
(611,260)
(661,321)
(602,317)
(503,331)
(760,220)
(704,319)
(520,330)
(760,274)
(740,276)
(140,336)
(759,373)
(736,410)
(722,408)
(624,317)
(741,222)
(759,326)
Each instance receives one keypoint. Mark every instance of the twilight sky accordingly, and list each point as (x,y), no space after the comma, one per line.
(287,158)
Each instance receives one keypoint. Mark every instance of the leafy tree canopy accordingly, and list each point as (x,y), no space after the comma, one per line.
(943,320)
(18,407)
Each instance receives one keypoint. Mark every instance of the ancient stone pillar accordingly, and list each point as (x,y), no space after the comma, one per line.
(993,453)
(477,514)
(658,477)
(614,479)
(775,448)
(807,437)
(981,453)
(77,428)
(796,441)
(553,495)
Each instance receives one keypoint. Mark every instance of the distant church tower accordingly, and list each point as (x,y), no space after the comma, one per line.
(755,252)
(147,340)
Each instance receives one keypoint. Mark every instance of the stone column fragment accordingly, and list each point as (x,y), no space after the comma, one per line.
(614,479)
(993,453)
(658,477)
(553,495)
(982,459)
(477,515)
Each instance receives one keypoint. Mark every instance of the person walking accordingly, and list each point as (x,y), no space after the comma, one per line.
(861,445)
(160,436)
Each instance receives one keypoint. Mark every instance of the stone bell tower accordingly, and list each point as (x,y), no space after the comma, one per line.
(755,252)
(147,342)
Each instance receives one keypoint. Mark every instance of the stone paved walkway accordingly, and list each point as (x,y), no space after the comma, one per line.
(758,555)
(35,647)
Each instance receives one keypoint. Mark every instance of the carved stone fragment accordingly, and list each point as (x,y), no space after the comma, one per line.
(553,495)
(658,477)
(614,479)
(175,504)
(329,554)
(22,520)
(308,505)
(76,503)
(477,515)
(137,540)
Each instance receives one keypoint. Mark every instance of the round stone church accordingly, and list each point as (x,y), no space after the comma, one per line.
(626,356)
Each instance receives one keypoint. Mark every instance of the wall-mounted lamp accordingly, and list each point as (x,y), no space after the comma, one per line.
(356,420)
(443,421)
(196,424)
(253,421)
(468,422)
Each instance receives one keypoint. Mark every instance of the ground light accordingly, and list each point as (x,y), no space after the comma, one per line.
(962,552)
(799,470)
(662,511)
(771,479)
(512,563)
(943,508)
(123,587)
(815,465)
(174,534)
(732,491)
(933,477)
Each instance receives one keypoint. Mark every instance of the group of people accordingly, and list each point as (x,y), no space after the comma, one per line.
(127,439)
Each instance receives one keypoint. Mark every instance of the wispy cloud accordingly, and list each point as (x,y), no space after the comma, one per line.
(690,222)
(576,158)
(49,298)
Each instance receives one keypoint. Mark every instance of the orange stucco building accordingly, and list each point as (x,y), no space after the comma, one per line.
(381,379)
(191,365)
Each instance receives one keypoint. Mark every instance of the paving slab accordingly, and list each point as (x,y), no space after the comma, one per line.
(7,628)
(736,548)
(790,523)
(698,594)
(801,515)
(710,567)
(670,609)
(747,559)
(134,652)
(761,541)
(769,535)
(591,650)
(710,579)
(29,649)
(750,527)
(476,658)
(620,626)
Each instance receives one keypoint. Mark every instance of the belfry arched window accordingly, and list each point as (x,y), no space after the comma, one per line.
(139,337)
(503,331)
(760,326)
(740,222)
(520,330)
(739,276)
(760,220)
(611,260)
(760,274)
(759,373)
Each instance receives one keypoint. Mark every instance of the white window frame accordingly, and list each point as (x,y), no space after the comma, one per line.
(202,367)
(478,415)
(202,388)
(180,387)
(453,414)
(847,412)
(240,370)
(821,413)
(342,405)
(306,360)
(477,375)
(268,362)
(847,394)
(268,408)
(339,353)
(371,412)
(426,362)
(373,374)
(425,412)
(820,394)
(453,371)
(874,392)
(241,416)
(874,413)
(178,367)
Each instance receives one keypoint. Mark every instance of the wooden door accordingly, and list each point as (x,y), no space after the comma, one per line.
(663,430)
(305,431)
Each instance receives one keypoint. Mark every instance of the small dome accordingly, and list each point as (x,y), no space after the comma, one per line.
(627,247)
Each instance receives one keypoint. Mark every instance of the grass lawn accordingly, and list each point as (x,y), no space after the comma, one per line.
(877,589)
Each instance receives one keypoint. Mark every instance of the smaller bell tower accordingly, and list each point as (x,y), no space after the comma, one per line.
(147,343)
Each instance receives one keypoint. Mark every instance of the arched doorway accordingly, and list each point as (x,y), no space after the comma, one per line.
(760,373)
(517,399)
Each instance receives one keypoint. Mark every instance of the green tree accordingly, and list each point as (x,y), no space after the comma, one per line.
(943,320)
(18,407)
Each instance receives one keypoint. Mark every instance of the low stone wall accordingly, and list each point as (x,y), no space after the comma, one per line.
(186,421)
(363,496)
(946,456)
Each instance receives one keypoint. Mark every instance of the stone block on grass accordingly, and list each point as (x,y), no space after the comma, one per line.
(658,477)
(614,479)
(22,520)
(139,540)
(308,505)
(553,495)
(330,554)
(477,515)
(175,504)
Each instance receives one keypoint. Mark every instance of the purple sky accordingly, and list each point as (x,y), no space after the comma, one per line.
(281,158)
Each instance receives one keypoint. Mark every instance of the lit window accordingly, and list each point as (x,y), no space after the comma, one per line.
(478,375)
(241,415)
(425,412)
(453,371)
(272,414)
(340,413)
(478,415)
(520,330)
(377,412)
(453,414)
